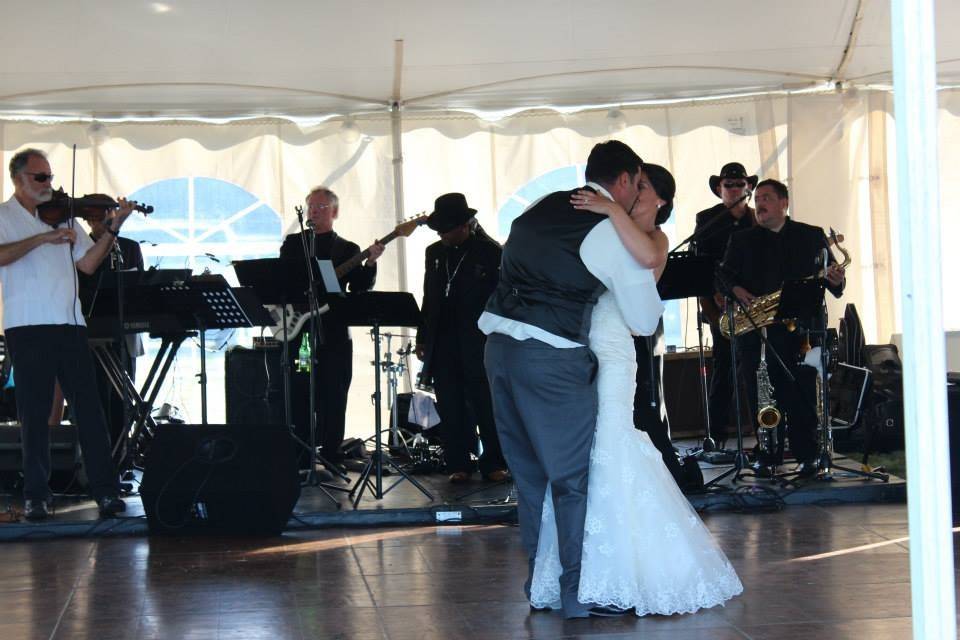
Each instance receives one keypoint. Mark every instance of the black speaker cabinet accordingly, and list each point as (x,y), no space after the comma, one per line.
(681,391)
(253,386)
(65,462)
(220,479)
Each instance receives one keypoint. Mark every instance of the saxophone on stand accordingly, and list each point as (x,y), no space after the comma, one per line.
(768,415)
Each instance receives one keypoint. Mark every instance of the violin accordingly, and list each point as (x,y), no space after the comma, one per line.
(93,207)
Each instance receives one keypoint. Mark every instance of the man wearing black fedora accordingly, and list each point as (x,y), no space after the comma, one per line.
(716,224)
(461,271)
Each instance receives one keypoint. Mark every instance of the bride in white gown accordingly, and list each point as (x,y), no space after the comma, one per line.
(644,546)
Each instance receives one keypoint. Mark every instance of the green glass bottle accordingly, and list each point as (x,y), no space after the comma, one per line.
(303,356)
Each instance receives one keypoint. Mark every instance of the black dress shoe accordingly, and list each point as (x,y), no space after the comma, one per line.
(36,510)
(763,470)
(806,469)
(110,506)
(607,612)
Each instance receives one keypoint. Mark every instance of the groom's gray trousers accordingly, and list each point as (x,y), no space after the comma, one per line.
(545,405)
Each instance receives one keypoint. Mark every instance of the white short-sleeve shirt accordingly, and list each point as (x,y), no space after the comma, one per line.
(41,287)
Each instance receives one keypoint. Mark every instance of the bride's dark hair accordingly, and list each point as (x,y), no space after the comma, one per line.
(665,186)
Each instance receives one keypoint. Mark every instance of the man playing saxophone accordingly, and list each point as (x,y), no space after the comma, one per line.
(757,262)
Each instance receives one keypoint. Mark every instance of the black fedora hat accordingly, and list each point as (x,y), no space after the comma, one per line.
(449,212)
(732,171)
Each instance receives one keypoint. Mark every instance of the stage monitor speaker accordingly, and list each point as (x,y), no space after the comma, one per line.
(220,479)
(253,386)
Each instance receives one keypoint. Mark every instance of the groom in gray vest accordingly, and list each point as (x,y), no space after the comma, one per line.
(556,263)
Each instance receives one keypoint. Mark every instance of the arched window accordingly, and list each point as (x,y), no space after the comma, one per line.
(201,224)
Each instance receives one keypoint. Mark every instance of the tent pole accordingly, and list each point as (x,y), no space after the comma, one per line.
(924,358)
(396,130)
(396,133)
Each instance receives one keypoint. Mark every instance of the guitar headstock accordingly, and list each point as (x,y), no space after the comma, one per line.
(408,226)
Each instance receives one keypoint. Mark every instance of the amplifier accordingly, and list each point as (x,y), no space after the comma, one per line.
(253,386)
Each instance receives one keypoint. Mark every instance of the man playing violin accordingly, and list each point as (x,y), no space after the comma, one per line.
(333,359)
(46,332)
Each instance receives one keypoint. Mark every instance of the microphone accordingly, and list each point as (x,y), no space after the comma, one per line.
(310,224)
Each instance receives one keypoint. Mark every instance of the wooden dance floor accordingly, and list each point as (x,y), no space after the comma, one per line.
(808,571)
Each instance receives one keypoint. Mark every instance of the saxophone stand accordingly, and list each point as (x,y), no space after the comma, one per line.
(825,463)
(740,461)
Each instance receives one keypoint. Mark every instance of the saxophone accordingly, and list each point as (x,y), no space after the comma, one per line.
(763,310)
(768,416)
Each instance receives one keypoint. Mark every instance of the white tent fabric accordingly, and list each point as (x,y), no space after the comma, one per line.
(236,58)
(820,144)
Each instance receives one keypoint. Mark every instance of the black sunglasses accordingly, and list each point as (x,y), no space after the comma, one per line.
(734,185)
(40,177)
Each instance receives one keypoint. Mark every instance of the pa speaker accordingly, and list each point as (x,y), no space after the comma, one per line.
(220,479)
(253,386)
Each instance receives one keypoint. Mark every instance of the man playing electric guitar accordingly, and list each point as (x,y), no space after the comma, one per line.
(334,357)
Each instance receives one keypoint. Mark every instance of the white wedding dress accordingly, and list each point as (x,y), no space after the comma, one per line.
(644,546)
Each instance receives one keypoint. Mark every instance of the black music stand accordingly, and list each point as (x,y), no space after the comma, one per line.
(285,283)
(688,275)
(378,309)
(211,303)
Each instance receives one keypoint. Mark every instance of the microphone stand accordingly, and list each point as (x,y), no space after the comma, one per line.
(116,259)
(708,444)
(309,253)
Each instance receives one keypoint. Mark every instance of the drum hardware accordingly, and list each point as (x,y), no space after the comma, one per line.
(374,309)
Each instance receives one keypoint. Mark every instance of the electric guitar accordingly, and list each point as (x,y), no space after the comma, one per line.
(296,319)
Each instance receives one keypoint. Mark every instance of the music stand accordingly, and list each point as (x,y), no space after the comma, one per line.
(688,275)
(378,309)
(285,283)
(209,302)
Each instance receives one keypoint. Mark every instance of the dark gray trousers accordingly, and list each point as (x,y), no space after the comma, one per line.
(545,405)
(41,355)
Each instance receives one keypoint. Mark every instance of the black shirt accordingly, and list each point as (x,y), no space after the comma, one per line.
(714,241)
(760,260)
(330,246)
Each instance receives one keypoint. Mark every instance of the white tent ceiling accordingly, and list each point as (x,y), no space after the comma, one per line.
(239,58)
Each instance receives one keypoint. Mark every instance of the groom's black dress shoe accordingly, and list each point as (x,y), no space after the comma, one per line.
(607,612)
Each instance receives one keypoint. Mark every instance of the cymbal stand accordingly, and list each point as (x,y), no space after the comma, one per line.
(825,463)
(378,459)
(394,370)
